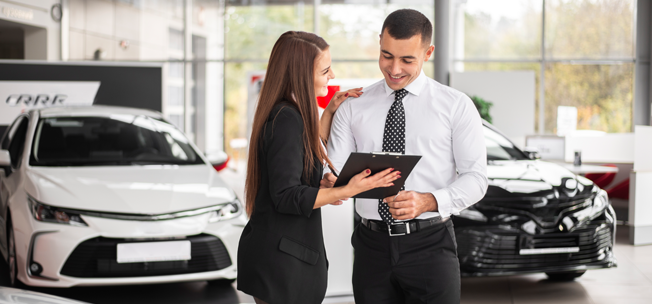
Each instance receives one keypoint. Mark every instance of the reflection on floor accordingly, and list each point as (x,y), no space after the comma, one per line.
(630,283)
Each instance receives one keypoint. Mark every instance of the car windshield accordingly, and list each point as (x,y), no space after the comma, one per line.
(500,148)
(109,141)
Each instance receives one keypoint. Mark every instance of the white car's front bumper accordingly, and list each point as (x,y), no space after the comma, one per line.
(52,247)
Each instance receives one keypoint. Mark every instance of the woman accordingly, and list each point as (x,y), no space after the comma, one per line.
(281,255)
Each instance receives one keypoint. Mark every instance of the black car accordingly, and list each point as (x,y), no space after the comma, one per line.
(535,217)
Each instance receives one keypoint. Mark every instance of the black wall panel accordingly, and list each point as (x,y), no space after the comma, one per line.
(130,85)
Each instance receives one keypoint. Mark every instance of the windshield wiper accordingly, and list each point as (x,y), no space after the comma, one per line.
(113,162)
(55,163)
(79,163)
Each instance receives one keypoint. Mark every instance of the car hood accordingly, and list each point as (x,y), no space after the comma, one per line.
(534,178)
(155,189)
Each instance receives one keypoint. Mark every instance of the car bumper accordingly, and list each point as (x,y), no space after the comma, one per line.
(495,251)
(86,256)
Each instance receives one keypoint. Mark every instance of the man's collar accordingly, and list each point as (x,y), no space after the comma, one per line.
(415,87)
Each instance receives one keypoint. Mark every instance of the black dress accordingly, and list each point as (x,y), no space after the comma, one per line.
(281,255)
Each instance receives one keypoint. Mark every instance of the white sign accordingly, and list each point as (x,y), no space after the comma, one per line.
(238,143)
(512,94)
(549,250)
(153,252)
(20,96)
(548,146)
(566,120)
(17,13)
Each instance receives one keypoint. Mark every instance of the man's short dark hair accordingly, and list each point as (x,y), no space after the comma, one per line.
(405,23)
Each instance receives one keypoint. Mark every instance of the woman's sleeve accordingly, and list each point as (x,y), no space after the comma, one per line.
(284,153)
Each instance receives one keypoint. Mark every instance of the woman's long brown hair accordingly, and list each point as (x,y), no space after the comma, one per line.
(290,78)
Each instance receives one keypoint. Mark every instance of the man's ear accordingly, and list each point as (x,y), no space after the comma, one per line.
(429,52)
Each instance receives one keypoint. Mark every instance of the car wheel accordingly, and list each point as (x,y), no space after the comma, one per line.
(221,282)
(565,276)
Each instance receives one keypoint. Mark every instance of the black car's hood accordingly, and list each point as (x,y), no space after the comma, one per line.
(534,178)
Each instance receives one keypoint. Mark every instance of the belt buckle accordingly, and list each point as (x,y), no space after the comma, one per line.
(407,229)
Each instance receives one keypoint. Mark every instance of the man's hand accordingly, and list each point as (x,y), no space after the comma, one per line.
(410,204)
(328,181)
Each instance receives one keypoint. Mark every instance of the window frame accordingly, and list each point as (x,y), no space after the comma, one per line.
(544,61)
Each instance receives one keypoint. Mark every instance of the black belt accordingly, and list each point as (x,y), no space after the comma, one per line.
(402,228)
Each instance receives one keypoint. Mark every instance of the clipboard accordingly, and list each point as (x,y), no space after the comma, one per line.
(376,162)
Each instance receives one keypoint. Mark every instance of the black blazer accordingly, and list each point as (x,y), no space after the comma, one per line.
(281,255)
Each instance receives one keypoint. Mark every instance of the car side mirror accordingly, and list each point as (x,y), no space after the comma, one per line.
(218,159)
(532,152)
(5,158)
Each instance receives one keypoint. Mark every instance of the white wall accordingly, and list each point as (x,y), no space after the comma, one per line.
(42,32)
(36,43)
(337,222)
(604,148)
(640,196)
(512,94)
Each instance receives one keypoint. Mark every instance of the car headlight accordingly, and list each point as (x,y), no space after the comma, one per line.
(600,201)
(226,211)
(590,209)
(45,213)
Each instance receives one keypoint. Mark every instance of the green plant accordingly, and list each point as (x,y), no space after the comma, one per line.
(483,107)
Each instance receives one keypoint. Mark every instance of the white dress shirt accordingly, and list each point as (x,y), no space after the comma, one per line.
(441,124)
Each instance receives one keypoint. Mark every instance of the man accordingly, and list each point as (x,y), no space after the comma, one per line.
(405,250)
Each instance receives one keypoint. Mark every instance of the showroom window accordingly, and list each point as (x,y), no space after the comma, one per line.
(186,36)
(582,53)
(252,27)
(212,50)
(251,30)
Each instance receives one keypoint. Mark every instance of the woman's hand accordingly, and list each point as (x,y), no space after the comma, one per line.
(329,112)
(340,97)
(362,182)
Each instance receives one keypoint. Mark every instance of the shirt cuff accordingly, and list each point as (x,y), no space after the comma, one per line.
(443,202)
(327,169)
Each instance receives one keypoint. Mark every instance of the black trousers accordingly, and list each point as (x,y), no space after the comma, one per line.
(416,268)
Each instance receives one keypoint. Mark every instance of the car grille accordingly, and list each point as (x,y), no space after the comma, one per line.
(97,258)
(496,250)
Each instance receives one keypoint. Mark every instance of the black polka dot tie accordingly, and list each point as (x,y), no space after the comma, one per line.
(393,141)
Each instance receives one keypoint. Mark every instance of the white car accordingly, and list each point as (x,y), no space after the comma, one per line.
(21,296)
(112,196)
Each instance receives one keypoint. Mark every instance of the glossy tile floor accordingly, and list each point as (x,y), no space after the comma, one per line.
(630,282)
